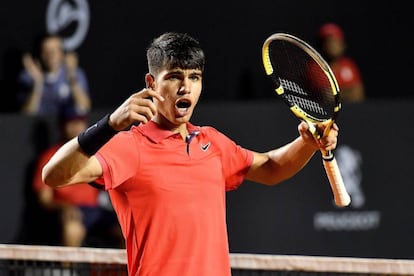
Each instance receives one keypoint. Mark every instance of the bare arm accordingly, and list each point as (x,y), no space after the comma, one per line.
(70,165)
(277,165)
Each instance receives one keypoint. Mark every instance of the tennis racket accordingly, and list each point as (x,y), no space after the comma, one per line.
(304,80)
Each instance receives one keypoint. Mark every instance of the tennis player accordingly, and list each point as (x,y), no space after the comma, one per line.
(167,177)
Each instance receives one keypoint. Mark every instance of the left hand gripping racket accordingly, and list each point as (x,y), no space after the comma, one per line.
(304,80)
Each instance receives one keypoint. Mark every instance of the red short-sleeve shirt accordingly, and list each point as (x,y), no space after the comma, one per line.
(169,195)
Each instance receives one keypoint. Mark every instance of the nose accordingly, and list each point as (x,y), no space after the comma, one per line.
(185,87)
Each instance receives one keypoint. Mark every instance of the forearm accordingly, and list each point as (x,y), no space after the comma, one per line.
(291,158)
(65,166)
(75,162)
(280,164)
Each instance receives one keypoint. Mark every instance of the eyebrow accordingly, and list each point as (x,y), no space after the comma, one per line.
(181,71)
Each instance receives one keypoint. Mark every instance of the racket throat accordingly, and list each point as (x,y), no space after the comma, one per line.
(327,155)
(313,130)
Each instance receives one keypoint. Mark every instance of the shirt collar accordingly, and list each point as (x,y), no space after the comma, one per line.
(156,133)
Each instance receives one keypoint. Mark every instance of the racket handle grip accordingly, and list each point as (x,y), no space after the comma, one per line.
(341,196)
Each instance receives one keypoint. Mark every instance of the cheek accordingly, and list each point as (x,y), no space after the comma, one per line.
(166,90)
(167,105)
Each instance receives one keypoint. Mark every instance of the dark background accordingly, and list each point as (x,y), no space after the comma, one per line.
(379,38)
(238,100)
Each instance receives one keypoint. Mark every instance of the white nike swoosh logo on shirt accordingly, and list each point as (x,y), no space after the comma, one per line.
(205,147)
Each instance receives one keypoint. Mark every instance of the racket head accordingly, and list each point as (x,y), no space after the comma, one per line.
(302,78)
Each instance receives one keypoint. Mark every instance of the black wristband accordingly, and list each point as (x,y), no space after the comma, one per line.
(93,138)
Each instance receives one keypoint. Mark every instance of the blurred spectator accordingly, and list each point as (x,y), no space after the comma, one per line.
(52,80)
(79,211)
(333,48)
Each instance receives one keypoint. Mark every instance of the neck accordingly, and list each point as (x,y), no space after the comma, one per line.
(181,128)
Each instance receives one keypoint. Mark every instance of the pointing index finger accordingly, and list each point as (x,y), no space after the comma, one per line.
(153,93)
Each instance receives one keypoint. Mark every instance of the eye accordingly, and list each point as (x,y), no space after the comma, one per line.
(173,77)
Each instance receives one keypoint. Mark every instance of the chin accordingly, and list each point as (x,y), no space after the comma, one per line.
(182,120)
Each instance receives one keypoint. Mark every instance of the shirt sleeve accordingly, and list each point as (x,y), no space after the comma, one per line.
(119,162)
(236,160)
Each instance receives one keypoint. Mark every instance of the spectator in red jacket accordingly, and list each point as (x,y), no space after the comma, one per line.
(333,48)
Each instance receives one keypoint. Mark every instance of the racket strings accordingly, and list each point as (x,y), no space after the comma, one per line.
(295,95)
(304,82)
(293,87)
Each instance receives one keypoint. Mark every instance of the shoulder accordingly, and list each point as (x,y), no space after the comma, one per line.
(131,136)
(208,129)
(211,131)
(217,136)
(122,143)
(127,135)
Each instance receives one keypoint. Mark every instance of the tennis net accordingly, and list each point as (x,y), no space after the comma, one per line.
(31,260)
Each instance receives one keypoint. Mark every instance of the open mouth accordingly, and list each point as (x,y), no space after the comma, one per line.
(182,106)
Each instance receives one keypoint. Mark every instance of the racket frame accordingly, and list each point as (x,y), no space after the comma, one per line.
(341,196)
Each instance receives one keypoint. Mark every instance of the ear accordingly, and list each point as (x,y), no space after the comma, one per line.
(150,81)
